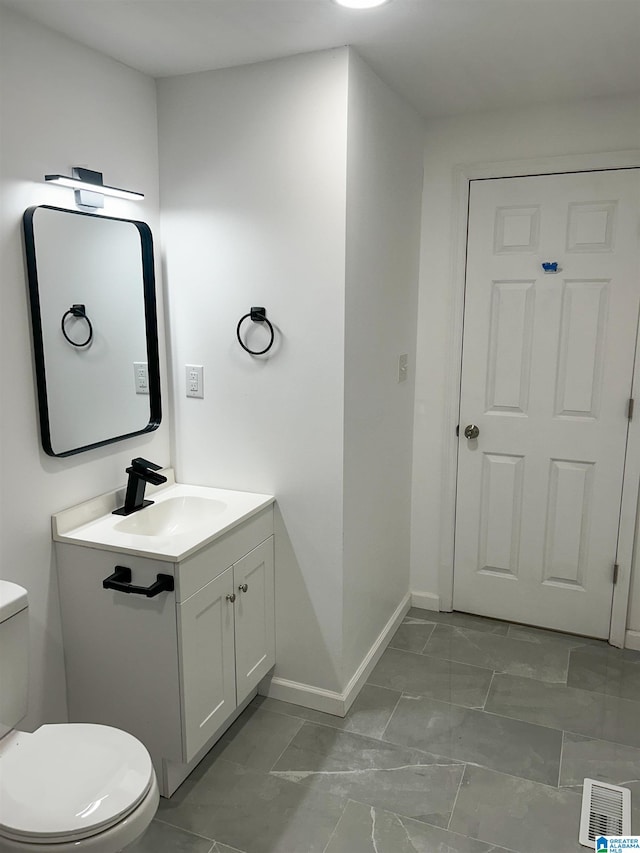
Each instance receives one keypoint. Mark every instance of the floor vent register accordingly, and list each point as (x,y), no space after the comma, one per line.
(606,810)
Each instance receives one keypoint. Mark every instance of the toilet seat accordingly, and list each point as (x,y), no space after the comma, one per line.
(71,781)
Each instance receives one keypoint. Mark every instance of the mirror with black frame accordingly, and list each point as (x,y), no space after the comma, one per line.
(95,332)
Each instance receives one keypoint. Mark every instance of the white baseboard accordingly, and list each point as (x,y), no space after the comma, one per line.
(306,695)
(632,640)
(329,701)
(425,600)
(375,653)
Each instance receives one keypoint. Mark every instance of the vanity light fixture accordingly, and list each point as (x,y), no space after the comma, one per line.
(89,189)
(360,4)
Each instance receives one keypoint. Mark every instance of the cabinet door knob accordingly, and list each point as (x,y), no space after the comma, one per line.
(243,587)
(231,597)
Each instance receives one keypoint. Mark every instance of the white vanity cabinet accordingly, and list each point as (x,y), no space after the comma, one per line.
(226,643)
(175,668)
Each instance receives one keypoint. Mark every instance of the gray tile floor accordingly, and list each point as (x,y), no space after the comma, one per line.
(471,736)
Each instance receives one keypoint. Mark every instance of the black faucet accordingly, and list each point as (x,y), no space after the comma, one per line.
(140,473)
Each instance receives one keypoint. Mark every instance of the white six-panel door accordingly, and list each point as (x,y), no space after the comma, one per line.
(546,377)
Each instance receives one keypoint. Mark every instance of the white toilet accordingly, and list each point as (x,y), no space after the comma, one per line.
(68,787)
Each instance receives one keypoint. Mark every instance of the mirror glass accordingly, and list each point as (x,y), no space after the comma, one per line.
(95,336)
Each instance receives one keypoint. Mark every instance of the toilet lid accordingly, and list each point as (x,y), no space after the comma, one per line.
(71,781)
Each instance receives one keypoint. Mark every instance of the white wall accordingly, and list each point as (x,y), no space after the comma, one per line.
(384,191)
(295,184)
(253,186)
(588,126)
(60,105)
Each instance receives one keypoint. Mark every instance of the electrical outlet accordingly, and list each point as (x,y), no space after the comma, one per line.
(194,378)
(403,367)
(141,377)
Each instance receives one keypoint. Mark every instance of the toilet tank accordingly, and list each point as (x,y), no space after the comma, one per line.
(14,655)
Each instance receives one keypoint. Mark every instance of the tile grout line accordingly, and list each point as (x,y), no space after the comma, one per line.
(602,739)
(395,708)
(428,640)
(555,728)
(561,757)
(406,694)
(455,802)
(516,640)
(410,694)
(502,717)
(544,726)
(566,680)
(497,623)
(598,692)
(182,829)
(453,762)
(335,828)
(488,667)
(289,742)
(559,643)
(382,739)
(486,698)
(547,635)
(517,778)
(434,657)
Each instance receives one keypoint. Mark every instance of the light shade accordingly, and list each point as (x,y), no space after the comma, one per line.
(77,184)
(89,189)
(360,4)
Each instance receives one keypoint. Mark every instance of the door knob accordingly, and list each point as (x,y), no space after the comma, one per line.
(243,587)
(231,597)
(471,431)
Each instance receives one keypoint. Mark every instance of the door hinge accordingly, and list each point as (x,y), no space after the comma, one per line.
(630,408)
(615,573)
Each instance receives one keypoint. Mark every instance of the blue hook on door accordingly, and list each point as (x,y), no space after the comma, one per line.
(550,266)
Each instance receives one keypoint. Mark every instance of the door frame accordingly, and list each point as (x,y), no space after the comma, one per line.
(462,176)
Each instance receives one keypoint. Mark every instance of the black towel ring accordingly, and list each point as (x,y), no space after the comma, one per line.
(77,311)
(258,315)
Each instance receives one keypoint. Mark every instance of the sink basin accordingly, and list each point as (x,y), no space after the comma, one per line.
(172,516)
(181,520)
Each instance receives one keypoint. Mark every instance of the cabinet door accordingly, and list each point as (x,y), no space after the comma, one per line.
(255,617)
(207,664)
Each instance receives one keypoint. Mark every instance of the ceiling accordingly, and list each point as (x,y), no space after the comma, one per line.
(444,56)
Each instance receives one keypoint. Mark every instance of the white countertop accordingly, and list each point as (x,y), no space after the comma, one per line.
(93,525)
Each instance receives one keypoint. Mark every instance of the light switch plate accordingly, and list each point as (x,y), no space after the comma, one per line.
(194,379)
(141,377)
